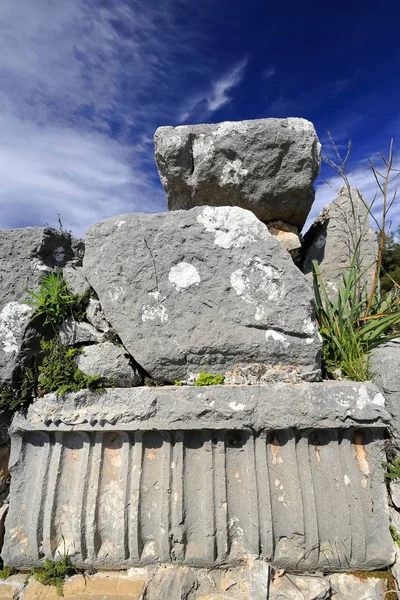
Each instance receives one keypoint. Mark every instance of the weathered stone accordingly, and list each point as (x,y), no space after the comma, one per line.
(330,404)
(164,279)
(77,283)
(202,477)
(345,587)
(333,237)
(287,235)
(78,332)
(101,586)
(395,524)
(111,362)
(11,588)
(386,374)
(394,487)
(4,473)
(95,315)
(25,255)
(3,513)
(267,166)
(299,587)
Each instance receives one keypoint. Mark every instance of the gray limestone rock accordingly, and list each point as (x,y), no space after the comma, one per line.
(332,239)
(25,255)
(386,374)
(95,315)
(205,289)
(78,332)
(349,587)
(299,587)
(109,361)
(77,283)
(267,166)
(290,474)
(301,406)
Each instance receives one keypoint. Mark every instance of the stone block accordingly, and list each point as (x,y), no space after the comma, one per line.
(111,362)
(267,166)
(202,477)
(219,291)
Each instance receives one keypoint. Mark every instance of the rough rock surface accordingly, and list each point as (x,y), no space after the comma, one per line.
(349,587)
(205,289)
(267,166)
(111,362)
(299,587)
(25,255)
(78,332)
(332,238)
(386,374)
(202,477)
(246,582)
(95,315)
(287,235)
(77,283)
(329,404)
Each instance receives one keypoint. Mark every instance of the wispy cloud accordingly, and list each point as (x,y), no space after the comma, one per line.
(268,72)
(84,85)
(218,96)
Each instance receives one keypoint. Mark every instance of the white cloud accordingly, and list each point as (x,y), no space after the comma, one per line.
(268,72)
(218,96)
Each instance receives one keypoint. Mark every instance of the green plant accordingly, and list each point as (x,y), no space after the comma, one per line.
(395,535)
(54,572)
(393,468)
(349,334)
(6,572)
(357,320)
(60,373)
(178,382)
(209,379)
(150,382)
(21,394)
(54,302)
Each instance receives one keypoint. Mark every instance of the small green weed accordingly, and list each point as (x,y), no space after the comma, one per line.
(393,469)
(54,572)
(19,395)
(178,382)
(395,535)
(59,372)
(150,382)
(348,333)
(55,302)
(209,379)
(6,572)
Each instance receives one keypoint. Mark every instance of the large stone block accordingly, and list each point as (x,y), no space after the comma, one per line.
(267,166)
(205,289)
(333,237)
(202,477)
(386,374)
(25,255)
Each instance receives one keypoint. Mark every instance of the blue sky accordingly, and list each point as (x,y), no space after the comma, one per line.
(85,83)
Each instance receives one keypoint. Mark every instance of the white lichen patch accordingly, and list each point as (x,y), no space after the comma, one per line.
(236,406)
(59,254)
(154,313)
(38,265)
(119,222)
(228,127)
(277,337)
(309,327)
(13,320)
(203,146)
(233,227)
(183,276)
(259,285)
(232,173)
(346,479)
(116,294)
(363,397)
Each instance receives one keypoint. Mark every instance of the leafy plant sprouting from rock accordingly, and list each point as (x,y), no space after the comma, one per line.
(393,469)
(59,372)
(209,379)
(55,302)
(54,572)
(357,321)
